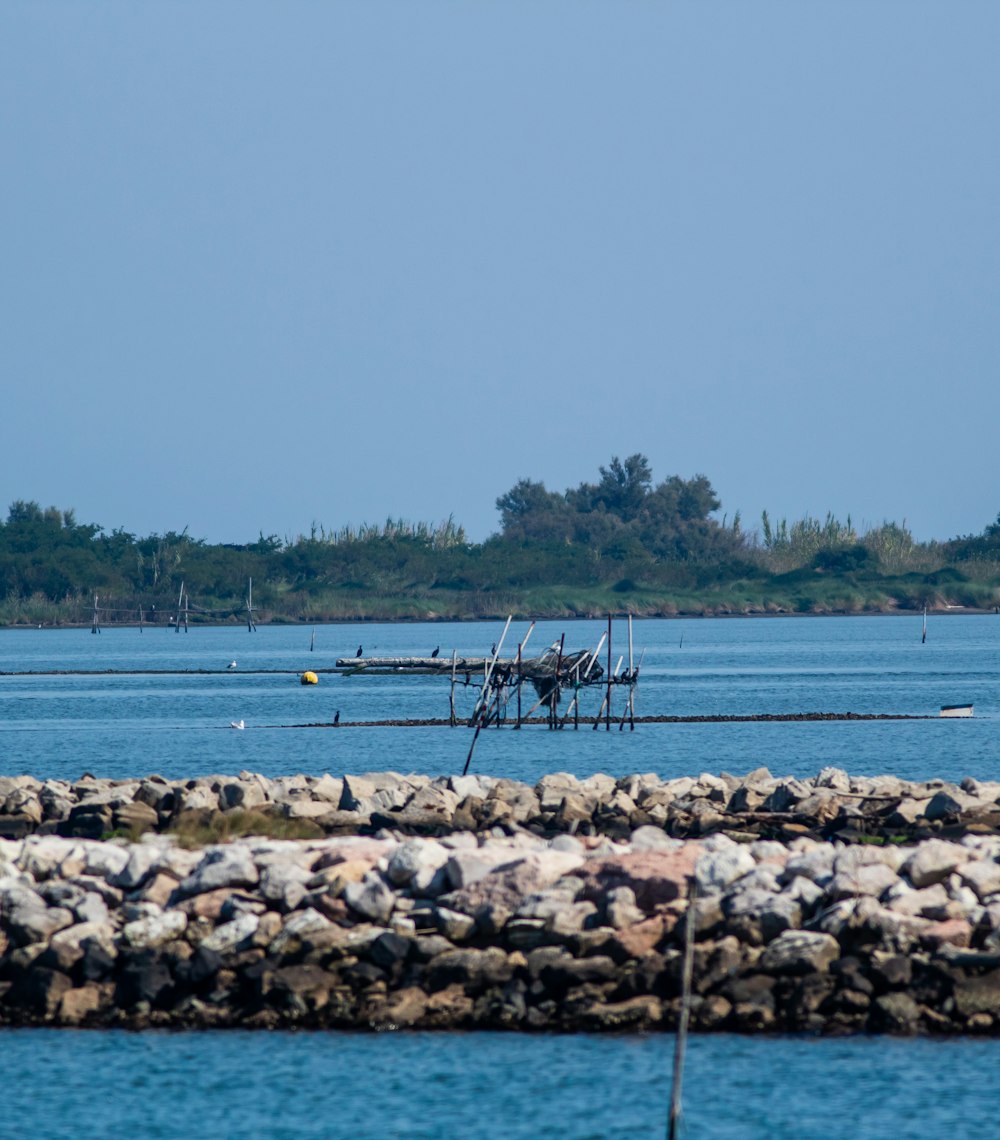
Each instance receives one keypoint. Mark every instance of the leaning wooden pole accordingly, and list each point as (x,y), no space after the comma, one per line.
(180,606)
(680,1044)
(489,671)
(631,680)
(454,665)
(607,722)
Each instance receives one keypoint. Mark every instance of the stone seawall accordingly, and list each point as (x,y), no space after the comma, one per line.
(827,806)
(502,929)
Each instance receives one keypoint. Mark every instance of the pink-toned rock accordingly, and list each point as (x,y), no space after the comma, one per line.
(158,889)
(641,937)
(76,1004)
(953,931)
(656,877)
(336,876)
(209,905)
(506,887)
(353,848)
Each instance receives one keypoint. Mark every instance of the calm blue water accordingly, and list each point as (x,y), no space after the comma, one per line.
(63,1084)
(178,725)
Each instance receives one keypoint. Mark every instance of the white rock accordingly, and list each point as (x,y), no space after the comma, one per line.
(715,870)
(933,861)
(982,876)
(230,935)
(371,898)
(155,930)
(299,925)
(413,856)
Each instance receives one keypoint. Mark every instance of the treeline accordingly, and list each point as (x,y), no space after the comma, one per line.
(622,543)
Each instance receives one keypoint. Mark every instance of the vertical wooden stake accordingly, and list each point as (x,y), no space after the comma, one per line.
(680,1043)
(608,714)
(95,625)
(520,648)
(454,663)
(180,605)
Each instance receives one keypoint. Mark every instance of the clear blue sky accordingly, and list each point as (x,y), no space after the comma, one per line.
(265,264)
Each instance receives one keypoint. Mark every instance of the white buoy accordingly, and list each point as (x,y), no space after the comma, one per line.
(236,724)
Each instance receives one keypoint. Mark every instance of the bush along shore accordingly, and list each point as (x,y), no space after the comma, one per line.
(497,925)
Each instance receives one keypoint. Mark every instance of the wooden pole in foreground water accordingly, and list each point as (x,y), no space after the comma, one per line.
(680,1043)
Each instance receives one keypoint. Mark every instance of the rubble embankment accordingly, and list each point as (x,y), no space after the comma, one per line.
(502,927)
(831,805)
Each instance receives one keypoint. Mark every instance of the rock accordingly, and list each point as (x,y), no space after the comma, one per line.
(866,879)
(419,862)
(933,861)
(372,898)
(982,876)
(655,876)
(454,925)
(472,969)
(715,870)
(144,977)
(135,817)
(155,931)
(621,909)
(835,778)
(897,1013)
(232,935)
(284,884)
(76,1005)
(799,952)
(230,866)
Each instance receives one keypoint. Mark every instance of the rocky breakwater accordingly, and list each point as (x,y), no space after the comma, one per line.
(503,931)
(831,804)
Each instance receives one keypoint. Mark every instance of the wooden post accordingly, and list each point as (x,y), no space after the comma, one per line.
(177,616)
(923,639)
(187,604)
(95,625)
(489,671)
(454,662)
(680,1043)
(140,619)
(554,695)
(251,624)
(631,681)
(608,720)
(520,647)
(312,641)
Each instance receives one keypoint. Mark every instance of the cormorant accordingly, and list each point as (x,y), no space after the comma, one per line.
(436,651)
(493,651)
(336,718)
(358,654)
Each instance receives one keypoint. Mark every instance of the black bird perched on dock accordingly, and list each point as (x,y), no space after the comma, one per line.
(336,718)
(436,651)
(358,654)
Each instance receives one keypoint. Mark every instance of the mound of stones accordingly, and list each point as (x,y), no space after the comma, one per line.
(831,804)
(504,929)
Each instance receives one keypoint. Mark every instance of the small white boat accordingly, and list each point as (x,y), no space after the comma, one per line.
(956,710)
